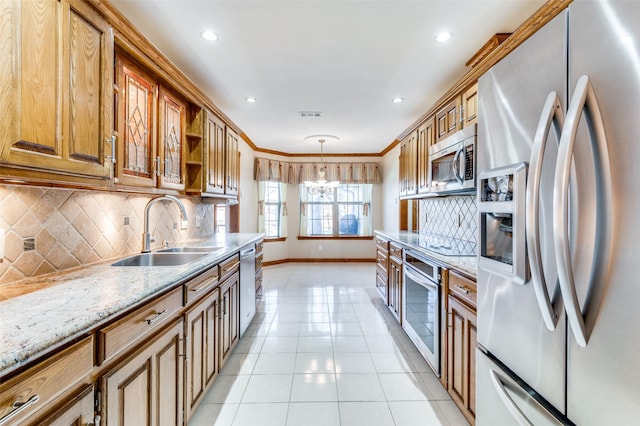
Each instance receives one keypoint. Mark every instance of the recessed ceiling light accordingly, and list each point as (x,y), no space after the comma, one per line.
(251,100)
(397,100)
(443,36)
(209,35)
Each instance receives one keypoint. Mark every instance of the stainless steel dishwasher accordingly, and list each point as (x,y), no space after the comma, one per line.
(247,287)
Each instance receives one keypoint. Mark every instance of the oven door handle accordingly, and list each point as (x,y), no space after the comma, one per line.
(411,272)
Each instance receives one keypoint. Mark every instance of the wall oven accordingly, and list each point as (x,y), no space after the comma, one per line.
(421,306)
(452,163)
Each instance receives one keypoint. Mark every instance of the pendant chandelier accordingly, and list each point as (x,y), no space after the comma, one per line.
(321,186)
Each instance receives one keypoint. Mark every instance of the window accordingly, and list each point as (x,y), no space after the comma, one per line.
(272,209)
(344,213)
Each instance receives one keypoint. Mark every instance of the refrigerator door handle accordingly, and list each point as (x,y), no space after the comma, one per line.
(583,100)
(507,401)
(551,115)
(456,165)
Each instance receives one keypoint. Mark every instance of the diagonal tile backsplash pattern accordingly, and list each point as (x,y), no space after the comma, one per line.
(78,227)
(450,216)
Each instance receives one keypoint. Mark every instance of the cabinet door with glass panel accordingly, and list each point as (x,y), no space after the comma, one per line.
(343,211)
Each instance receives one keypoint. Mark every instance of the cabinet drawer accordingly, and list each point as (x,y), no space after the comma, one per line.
(382,244)
(259,258)
(463,288)
(229,266)
(47,380)
(201,285)
(259,246)
(395,250)
(138,325)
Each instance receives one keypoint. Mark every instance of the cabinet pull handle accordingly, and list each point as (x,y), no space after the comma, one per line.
(158,165)
(112,157)
(155,317)
(19,407)
(462,289)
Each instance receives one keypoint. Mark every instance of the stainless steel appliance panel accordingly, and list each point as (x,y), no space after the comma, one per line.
(503,401)
(509,322)
(603,378)
(247,287)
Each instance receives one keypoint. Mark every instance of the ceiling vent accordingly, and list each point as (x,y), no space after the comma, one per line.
(310,114)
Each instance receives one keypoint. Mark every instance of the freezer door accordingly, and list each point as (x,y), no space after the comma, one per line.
(501,401)
(603,378)
(511,99)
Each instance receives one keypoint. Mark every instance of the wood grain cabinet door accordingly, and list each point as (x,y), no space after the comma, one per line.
(426,138)
(230,316)
(231,163)
(136,100)
(202,339)
(171,143)
(57,104)
(148,387)
(214,162)
(470,106)
(448,119)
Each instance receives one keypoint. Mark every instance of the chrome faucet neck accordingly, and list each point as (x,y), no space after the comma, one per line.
(146,236)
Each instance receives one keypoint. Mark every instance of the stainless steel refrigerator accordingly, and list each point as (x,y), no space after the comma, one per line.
(559,219)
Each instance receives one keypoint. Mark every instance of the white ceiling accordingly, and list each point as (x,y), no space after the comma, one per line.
(345,58)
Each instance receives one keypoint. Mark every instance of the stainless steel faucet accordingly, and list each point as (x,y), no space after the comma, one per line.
(146,236)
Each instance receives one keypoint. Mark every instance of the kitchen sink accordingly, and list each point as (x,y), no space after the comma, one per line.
(159,259)
(201,249)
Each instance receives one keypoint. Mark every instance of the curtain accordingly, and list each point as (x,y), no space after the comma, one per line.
(261,194)
(282,232)
(296,173)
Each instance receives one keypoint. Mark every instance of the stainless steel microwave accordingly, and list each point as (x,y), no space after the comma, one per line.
(452,163)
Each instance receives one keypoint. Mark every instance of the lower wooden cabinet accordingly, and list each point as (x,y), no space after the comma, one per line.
(79,410)
(395,281)
(202,338)
(147,388)
(461,345)
(230,316)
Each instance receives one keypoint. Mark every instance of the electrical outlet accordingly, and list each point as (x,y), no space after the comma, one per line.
(29,244)
(320,247)
(126,220)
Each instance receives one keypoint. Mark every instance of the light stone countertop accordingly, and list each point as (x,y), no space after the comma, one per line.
(465,264)
(70,304)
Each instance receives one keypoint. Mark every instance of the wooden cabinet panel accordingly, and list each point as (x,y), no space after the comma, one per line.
(382,266)
(426,138)
(463,288)
(461,342)
(229,266)
(79,410)
(148,387)
(231,163)
(59,104)
(216,139)
(230,316)
(171,141)
(395,280)
(201,285)
(133,328)
(408,164)
(135,118)
(470,106)
(202,339)
(49,380)
(448,119)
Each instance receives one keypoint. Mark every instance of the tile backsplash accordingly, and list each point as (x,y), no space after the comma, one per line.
(450,216)
(77,227)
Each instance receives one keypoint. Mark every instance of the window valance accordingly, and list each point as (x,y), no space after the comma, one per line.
(297,173)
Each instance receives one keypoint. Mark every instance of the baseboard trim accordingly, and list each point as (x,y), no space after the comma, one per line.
(315,260)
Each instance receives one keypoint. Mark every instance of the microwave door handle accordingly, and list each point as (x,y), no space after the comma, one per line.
(515,411)
(583,100)
(456,166)
(551,115)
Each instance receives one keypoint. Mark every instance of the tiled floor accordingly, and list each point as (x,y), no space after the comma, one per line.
(324,350)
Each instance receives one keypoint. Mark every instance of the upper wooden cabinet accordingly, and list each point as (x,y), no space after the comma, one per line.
(408,164)
(146,158)
(232,163)
(56,81)
(426,138)
(221,158)
(470,106)
(460,112)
